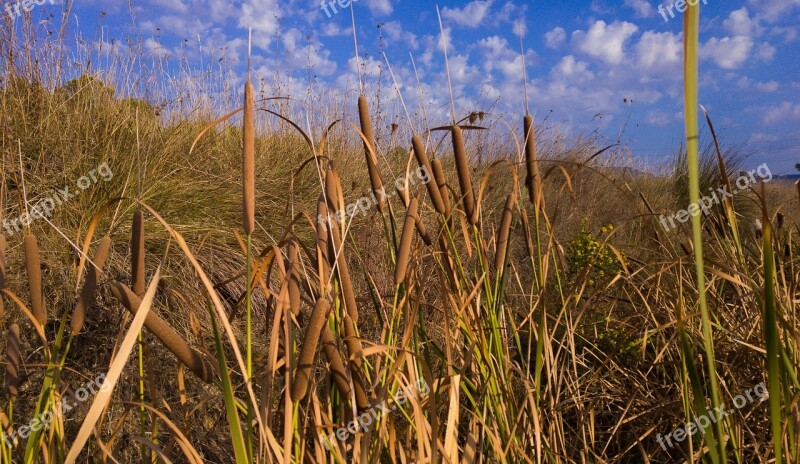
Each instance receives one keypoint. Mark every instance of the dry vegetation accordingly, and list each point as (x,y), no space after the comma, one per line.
(536,294)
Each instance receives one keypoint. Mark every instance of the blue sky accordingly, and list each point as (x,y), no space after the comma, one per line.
(601,65)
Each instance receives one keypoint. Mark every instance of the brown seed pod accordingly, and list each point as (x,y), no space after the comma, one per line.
(137,254)
(337,370)
(504,233)
(374,175)
(464,176)
(404,253)
(355,350)
(168,336)
(333,190)
(308,352)
(343,271)
(323,258)
(2,272)
(249,158)
(86,297)
(293,270)
(441,182)
(424,163)
(14,361)
(34,269)
(532,179)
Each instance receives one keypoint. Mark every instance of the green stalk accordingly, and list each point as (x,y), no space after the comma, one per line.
(691,48)
(249,342)
(772,342)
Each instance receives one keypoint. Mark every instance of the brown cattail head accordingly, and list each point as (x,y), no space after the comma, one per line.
(355,350)
(14,360)
(293,270)
(464,176)
(532,179)
(338,372)
(421,229)
(323,259)
(366,128)
(424,163)
(249,158)
(168,336)
(34,269)
(441,182)
(504,233)
(345,282)
(137,254)
(2,272)
(404,253)
(333,190)
(308,352)
(86,297)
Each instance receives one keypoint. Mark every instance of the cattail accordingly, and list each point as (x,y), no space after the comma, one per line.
(308,352)
(333,189)
(345,281)
(2,272)
(421,229)
(137,254)
(336,365)
(168,336)
(403,254)
(504,233)
(293,271)
(13,362)
(323,259)
(441,182)
(86,297)
(464,177)
(366,128)
(424,163)
(249,143)
(33,266)
(532,179)
(355,350)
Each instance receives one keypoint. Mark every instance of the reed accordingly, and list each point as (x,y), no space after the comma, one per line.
(464,176)
(13,362)
(433,189)
(504,233)
(404,253)
(374,174)
(137,254)
(168,336)
(34,269)
(308,351)
(249,153)
(87,294)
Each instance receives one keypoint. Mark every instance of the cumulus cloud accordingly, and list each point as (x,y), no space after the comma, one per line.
(642,8)
(605,41)
(472,15)
(555,37)
(781,113)
(728,52)
(659,51)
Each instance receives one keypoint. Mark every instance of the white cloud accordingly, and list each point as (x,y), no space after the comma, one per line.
(765,52)
(781,113)
(573,70)
(773,10)
(470,16)
(605,41)
(555,37)
(770,86)
(739,22)
(379,7)
(659,50)
(658,118)
(728,52)
(263,16)
(642,8)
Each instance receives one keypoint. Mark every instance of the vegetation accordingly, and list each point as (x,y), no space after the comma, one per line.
(540,339)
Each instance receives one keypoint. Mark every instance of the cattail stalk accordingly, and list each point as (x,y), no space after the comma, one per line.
(323,258)
(34,269)
(504,233)
(355,350)
(86,297)
(406,239)
(441,183)
(2,272)
(337,369)
(249,171)
(532,180)
(13,362)
(464,176)
(346,283)
(424,163)
(137,254)
(168,336)
(293,274)
(374,175)
(308,352)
